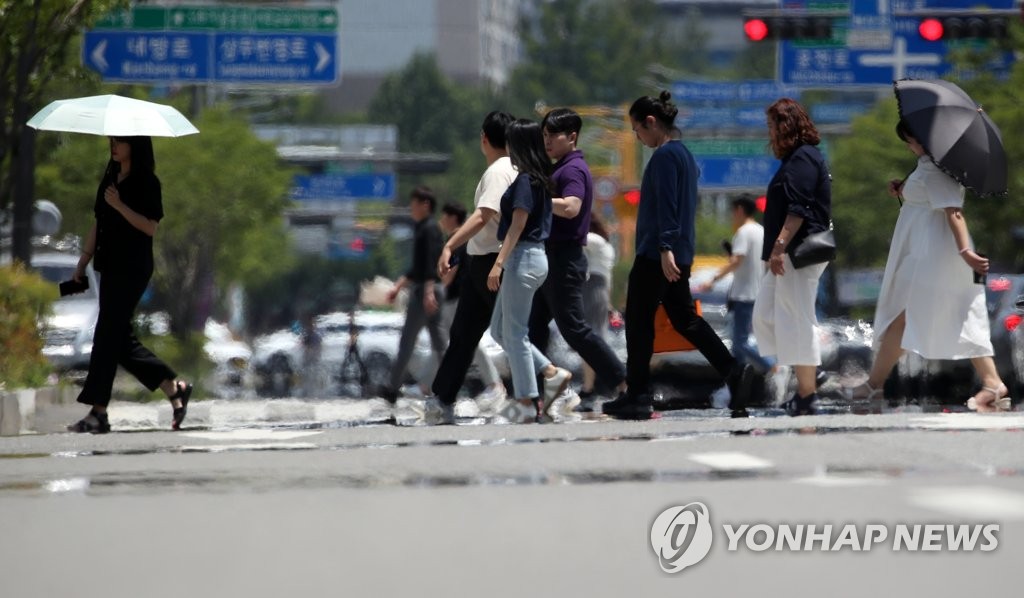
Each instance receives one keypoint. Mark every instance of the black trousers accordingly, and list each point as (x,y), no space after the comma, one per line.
(648,288)
(472,317)
(115,342)
(561,298)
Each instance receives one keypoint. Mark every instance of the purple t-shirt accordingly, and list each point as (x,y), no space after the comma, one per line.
(572,179)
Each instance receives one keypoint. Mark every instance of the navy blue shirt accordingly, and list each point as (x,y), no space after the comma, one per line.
(572,179)
(803,187)
(536,200)
(668,204)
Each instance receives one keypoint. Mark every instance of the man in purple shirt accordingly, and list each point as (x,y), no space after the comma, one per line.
(561,295)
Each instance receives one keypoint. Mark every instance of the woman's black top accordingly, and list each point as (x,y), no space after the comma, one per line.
(802,187)
(119,245)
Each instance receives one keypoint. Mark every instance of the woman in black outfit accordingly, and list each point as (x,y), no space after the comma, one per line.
(128,208)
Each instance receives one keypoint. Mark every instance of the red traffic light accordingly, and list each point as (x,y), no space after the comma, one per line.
(755,29)
(931,29)
(632,197)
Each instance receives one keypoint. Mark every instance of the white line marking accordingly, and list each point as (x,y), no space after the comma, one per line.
(976,502)
(731,461)
(252,434)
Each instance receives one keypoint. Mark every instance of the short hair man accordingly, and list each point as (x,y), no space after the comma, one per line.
(425,294)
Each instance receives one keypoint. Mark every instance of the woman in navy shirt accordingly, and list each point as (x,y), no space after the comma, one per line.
(665,234)
(799,202)
(525,223)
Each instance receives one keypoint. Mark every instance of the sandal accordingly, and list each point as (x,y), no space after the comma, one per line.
(798,405)
(865,399)
(178,414)
(1000,401)
(94,423)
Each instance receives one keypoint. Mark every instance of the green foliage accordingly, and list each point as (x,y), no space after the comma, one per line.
(25,299)
(432,113)
(224,192)
(595,52)
(69,173)
(862,165)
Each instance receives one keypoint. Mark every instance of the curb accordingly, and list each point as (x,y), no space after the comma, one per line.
(18,407)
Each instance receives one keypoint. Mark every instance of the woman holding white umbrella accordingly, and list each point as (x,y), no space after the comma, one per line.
(128,209)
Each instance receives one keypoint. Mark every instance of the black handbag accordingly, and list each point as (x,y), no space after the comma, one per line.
(816,248)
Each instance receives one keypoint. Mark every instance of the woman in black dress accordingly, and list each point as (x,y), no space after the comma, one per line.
(120,244)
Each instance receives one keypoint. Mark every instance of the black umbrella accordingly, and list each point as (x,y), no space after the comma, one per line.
(960,138)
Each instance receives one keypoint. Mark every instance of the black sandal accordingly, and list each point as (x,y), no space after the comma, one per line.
(94,423)
(178,414)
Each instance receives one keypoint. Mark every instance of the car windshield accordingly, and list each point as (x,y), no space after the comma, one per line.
(58,274)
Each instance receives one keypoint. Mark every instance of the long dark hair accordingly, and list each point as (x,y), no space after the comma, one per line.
(526,150)
(143,160)
(793,127)
(661,108)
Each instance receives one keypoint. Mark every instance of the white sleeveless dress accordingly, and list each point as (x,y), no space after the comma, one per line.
(926,277)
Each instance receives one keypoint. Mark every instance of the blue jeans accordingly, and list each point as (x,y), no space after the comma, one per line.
(742,329)
(525,270)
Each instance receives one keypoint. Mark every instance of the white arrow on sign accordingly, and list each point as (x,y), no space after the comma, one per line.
(900,59)
(323,57)
(379,185)
(97,55)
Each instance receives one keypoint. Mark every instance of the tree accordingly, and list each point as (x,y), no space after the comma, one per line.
(35,50)
(224,194)
(592,52)
(435,114)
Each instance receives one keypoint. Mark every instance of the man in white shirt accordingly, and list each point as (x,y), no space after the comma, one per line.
(476,301)
(747,271)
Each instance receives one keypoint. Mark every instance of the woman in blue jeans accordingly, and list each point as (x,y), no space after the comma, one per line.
(522,265)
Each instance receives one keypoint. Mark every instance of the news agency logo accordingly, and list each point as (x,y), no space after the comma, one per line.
(681,536)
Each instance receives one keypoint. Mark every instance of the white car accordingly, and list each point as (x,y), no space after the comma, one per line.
(68,332)
(283,367)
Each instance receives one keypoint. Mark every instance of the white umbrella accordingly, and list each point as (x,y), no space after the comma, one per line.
(114,116)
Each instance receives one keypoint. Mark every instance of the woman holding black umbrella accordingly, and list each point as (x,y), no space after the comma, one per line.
(120,244)
(929,302)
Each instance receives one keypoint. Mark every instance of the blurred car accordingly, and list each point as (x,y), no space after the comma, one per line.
(1017,345)
(68,331)
(282,366)
(955,380)
(231,376)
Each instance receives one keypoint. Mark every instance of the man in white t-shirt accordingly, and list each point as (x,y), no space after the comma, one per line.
(476,301)
(748,270)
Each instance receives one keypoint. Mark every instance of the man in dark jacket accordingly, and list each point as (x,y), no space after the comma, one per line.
(425,293)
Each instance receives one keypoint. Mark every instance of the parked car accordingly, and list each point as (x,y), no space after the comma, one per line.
(68,332)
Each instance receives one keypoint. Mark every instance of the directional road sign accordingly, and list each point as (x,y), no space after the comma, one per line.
(874,47)
(343,187)
(216,44)
(736,172)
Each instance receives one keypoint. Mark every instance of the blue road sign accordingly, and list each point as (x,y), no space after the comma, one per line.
(732,172)
(875,47)
(343,187)
(710,117)
(754,90)
(148,55)
(212,57)
(837,113)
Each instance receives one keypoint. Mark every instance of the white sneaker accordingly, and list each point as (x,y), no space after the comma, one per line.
(516,412)
(492,400)
(555,386)
(566,402)
(428,412)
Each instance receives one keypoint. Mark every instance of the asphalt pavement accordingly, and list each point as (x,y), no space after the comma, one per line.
(311,498)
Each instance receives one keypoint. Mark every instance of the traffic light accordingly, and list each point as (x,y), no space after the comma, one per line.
(769,25)
(964,25)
